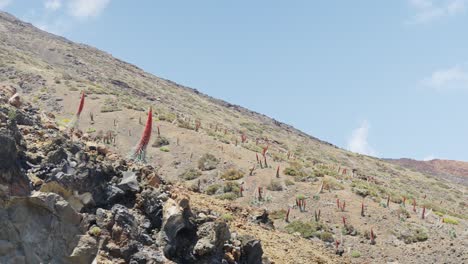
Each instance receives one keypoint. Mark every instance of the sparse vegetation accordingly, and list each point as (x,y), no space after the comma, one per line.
(227,217)
(275,186)
(306,229)
(227,196)
(411,234)
(450,220)
(294,169)
(207,162)
(232,174)
(231,186)
(363,188)
(110,105)
(95,231)
(332,184)
(212,189)
(190,174)
(326,236)
(164,149)
(278,214)
(160,142)
(288,182)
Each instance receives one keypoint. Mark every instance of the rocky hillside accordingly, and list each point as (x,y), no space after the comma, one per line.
(91,205)
(455,171)
(303,200)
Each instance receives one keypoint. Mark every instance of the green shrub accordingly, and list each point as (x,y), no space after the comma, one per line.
(291,171)
(12,114)
(212,189)
(95,231)
(164,149)
(169,117)
(185,124)
(190,174)
(326,236)
(160,142)
(207,162)
(278,214)
(231,187)
(333,184)
(412,234)
(295,169)
(232,174)
(275,186)
(227,217)
(440,214)
(110,105)
(349,230)
(450,220)
(288,182)
(300,197)
(306,229)
(402,213)
(363,188)
(355,254)
(227,196)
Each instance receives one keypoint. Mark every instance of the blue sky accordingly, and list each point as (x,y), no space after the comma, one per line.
(386,78)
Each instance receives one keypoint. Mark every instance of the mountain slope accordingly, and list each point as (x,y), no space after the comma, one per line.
(51,72)
(454,171)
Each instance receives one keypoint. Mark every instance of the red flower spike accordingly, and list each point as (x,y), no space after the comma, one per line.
(80,107)
(264,151)
(145,138)
(372,237)
(243,138)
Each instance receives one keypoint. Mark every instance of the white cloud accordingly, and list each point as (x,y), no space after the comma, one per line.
(4,3)
(61,16)
(428,10)
(359,140)
(87,8)
(52,5)
(454,78)
(429,158)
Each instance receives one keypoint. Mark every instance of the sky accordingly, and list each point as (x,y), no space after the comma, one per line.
(382,78)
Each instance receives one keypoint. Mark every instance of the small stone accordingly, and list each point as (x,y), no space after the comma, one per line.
(129,182)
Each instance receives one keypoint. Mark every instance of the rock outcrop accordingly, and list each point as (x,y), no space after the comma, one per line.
(63,201)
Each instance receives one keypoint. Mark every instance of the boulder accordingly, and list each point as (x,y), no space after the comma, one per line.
(152,207)
(211,238)
(6,92)
(43,228)
(129,182)
(85,251)
(56,156)
(12,181)
(251,251)
(15,101)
